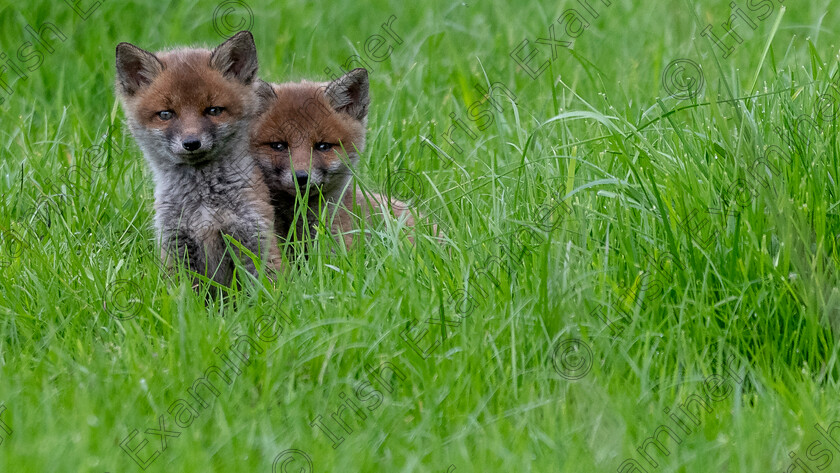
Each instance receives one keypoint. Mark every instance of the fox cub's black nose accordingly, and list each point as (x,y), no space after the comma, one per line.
(191,145)
(301,177)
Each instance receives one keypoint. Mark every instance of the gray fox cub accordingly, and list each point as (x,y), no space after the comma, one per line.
(190,111)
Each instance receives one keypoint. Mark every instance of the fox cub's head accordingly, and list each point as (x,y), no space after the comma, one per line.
(189,106)
(311,134)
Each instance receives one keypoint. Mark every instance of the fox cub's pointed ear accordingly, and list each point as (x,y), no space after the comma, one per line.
(265,94)
(264,90)
(237,57)
(349,93)
(136,68)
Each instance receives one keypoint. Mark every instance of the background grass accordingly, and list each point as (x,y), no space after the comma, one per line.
(96,341)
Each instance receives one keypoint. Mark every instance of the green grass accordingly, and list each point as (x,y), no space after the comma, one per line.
(96,341)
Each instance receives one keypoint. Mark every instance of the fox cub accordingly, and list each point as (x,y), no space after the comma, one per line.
(190,111)
(307,142)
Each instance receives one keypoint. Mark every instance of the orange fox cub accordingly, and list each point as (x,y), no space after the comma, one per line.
(190,111)
(307,143)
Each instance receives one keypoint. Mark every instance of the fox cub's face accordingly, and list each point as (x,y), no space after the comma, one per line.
(189,106)
(310,134)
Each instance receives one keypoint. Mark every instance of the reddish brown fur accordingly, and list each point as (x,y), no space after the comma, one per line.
(302,116)
(188,85)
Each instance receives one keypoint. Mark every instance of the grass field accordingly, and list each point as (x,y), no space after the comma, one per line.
(639,272)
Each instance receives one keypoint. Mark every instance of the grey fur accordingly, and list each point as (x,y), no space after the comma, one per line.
(350,93)
(237,57)
(136,68)
(198,200)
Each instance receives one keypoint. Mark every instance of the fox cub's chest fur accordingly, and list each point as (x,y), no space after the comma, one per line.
(307,143)
(195,207)
(190,111)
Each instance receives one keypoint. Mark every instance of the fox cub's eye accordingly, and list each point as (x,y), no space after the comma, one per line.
(323,146)
(279,146)
(166,115)
(214,111)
